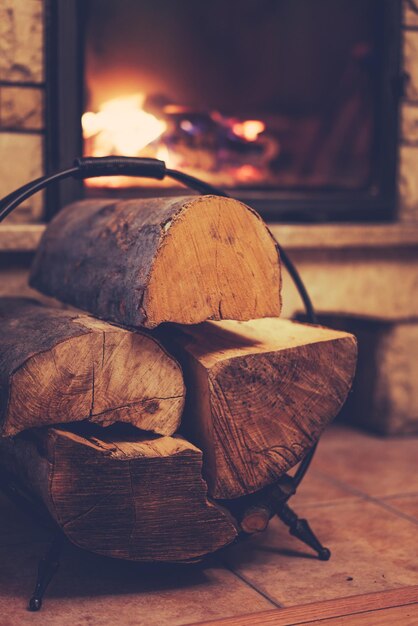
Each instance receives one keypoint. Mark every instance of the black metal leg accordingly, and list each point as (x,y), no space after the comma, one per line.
(300,528)
(47,568)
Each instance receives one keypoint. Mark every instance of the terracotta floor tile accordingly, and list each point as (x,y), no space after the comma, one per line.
(372,550)
(373,465)
(91,590)
(317,489)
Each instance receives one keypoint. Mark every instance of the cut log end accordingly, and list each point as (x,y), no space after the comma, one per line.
(217,261)
(261,393)
(148,261)
(134,497)
(255,519)
(59,367)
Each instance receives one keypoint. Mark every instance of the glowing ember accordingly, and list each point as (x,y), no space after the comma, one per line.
(249,130)
(228,149)
(248,174)
(121,126)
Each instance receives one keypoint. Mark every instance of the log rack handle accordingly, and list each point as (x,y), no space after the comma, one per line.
(91,167)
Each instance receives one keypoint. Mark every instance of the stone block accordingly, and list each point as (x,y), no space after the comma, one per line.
(21,40)
(408,184)
(22,160)
(384,396)
(409,123)
(377,283)
(410,64)
(21,107)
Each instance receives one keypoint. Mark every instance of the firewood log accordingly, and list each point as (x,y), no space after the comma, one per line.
(136,496)
(259,394)
(60,366)
(143,262)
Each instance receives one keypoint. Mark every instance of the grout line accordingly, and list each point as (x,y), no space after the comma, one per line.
(407,494)
(245,580)
(327,503)
(346,486)
(16,130)
(377,501)
(398,512)
(340,501)
(24,84)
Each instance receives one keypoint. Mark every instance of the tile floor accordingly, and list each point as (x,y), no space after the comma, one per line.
(361,497)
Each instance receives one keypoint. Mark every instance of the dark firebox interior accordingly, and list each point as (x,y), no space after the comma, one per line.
(272,94)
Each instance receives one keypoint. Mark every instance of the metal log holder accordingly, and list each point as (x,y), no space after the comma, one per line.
(274,497)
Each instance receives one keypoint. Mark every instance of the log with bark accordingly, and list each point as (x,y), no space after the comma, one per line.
(143,262)
(132,496)
(62,366)
(259,394)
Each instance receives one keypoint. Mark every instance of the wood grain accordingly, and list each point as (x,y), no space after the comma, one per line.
(60,366)
(148,261)
(131,495)
(356,606)
(405,615)
(259,395)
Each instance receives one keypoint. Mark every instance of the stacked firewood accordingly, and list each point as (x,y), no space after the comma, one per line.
(183,395)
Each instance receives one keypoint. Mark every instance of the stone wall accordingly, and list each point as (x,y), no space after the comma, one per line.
(384,397)
(22,100)
(22,105)
(408,148)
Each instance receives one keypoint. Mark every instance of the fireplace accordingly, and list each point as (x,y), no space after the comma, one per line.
(289,104)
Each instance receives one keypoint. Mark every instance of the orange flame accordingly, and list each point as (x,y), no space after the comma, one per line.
(249,130)
(121,126)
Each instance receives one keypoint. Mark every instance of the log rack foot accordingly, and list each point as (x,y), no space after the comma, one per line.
(300,529)
(47,569)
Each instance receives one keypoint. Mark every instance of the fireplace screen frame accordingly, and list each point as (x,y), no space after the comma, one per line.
(64,107)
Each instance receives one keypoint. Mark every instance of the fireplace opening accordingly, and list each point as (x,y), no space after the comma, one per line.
(287,103)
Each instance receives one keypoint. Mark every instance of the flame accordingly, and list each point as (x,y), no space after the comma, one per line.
(121,126)
(249,130)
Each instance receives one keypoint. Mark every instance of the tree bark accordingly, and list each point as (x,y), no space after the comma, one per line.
(62,366)
(153,260)
(259,395)
(136,497)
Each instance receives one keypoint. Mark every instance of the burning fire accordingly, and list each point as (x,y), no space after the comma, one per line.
(199,142)
(121,126)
